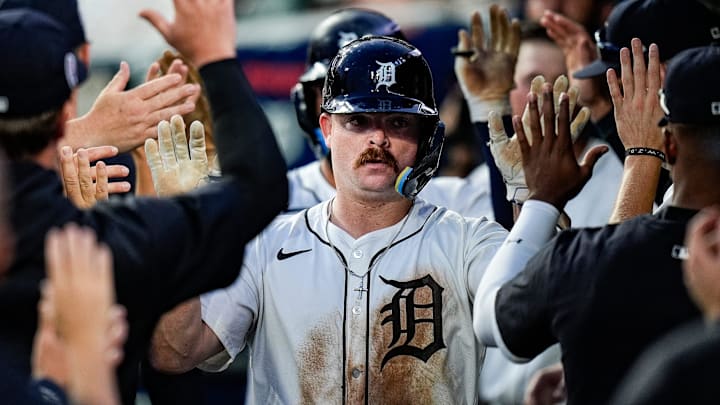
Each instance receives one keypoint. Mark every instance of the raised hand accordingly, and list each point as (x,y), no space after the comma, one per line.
(506,150)
(81,332)
(637,107)
(485,71)
(125,118)
(85,185)
(204,31)
(551,169)
(174,169)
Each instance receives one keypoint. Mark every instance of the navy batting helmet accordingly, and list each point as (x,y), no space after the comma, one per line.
(336,31)
(388,75)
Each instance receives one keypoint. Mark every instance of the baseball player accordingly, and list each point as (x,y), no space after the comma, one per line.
(365,297)
(314,182)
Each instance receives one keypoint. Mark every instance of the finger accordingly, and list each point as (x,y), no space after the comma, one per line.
(638,66)
(101,152)
(113,171)
(495,28)
(166,113)
(559,87)
(101,183)
(614,87)
(165,142)
(533,124)
(573,94)
(157,86)
(118,187)
(579,123)
(504,22)
(121,78)
(548,116)
(180,142)
(172,96)
(564,139)
(463,41)
(535,88)
(68,169)
(102,263)
(87,188)
(197,142)
(626,74)
(522,139)
(152,153)
(53,256)
(477,31)
(158,21)
(653,72)
(591,157)
(153,71)
(513,41)
(496,128)
(179,67)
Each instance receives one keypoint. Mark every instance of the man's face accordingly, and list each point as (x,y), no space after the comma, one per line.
(536,57)
(369,150)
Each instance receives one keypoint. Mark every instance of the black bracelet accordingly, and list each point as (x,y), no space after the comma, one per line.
(645,151)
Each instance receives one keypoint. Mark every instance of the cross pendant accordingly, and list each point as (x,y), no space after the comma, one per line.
(361,289)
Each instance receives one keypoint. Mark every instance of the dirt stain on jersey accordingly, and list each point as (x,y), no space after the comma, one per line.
(405,378)
(319,361)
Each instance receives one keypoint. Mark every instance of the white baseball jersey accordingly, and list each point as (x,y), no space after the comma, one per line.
(394,327)
(469,196)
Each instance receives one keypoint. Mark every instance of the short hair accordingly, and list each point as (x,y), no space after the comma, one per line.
(706,136)
(23,137)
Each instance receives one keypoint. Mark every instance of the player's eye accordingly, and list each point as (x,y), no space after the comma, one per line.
(356,122)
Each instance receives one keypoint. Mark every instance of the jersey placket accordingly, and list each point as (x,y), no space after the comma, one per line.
(357,322)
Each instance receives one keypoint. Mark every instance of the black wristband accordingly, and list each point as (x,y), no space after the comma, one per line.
(645,151)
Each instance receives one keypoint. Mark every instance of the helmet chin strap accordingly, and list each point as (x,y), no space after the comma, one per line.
(412,179)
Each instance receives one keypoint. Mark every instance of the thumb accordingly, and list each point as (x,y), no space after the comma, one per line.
(591,157)
(121,78)
(156,20)
(496,128)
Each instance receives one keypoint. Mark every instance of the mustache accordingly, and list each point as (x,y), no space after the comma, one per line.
(377,155)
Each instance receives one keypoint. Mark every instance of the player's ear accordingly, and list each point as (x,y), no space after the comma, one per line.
(326,128)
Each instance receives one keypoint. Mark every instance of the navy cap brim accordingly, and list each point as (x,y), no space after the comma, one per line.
(597,68)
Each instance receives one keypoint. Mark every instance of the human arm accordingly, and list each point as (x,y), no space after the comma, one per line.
(182,340)
(553,177)
(637,113)
(85,185)
(486,78)
(81,332)
(125,118)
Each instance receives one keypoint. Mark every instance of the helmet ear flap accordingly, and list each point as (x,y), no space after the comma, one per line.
(304,99)
(412,179)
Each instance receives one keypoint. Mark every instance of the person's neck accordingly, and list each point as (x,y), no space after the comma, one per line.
(360,217)
(696,191)
(599,108)
(326,171)
(47,158)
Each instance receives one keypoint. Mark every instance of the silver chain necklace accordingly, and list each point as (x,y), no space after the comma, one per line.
(361,289)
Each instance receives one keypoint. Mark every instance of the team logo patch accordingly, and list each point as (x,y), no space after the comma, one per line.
(385,75)
(345,38)
(416,306)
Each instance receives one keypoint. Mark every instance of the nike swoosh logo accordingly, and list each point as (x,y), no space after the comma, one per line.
(286,255)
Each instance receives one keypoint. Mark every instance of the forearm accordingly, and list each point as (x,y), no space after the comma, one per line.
(535,226)
(180,341)
(638,187)
(92,378)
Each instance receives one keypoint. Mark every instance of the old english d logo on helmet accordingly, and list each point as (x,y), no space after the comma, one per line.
(388,75)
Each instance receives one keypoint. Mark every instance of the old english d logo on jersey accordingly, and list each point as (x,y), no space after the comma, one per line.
(403,312)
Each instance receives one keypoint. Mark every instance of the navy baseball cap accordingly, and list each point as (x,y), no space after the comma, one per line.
(63,11)
(39,67)
(691,92)
(674,25)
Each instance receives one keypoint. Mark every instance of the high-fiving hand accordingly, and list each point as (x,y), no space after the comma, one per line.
(174,168)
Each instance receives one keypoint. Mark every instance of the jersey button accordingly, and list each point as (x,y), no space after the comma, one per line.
(356,373)
(356,310)
(357,253)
